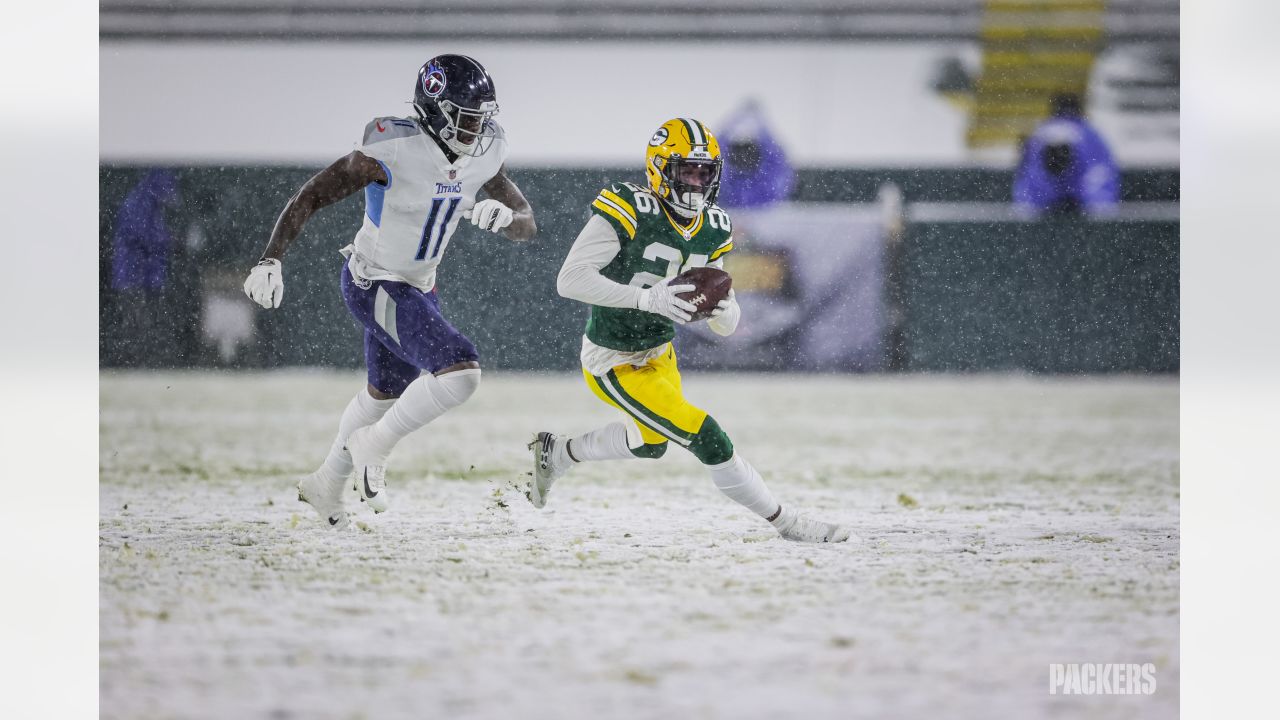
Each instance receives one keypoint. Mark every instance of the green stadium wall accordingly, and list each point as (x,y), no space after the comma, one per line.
(1059,297)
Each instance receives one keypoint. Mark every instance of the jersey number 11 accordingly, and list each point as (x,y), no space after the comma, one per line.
(432,238)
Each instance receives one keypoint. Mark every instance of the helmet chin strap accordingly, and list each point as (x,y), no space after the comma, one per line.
(449,153)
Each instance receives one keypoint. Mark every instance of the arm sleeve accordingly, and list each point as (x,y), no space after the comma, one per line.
(580,279)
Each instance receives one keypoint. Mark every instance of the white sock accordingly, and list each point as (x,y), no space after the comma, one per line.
(743,485)
(364,409)
(606,443)
(426,399)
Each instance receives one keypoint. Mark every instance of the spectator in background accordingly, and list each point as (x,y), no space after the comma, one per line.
(142,241)
(1066,167)
(756,171)
(139,325)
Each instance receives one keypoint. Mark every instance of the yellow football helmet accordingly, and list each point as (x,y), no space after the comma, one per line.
(682,164)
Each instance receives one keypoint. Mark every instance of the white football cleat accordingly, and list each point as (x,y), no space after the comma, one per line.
(793,526)
(370,470)
(545,468)
(324,494)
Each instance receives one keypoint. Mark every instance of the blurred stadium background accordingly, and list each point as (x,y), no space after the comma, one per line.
(1008,522)
(898,125)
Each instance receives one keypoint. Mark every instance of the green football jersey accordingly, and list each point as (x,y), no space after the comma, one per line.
(654,246)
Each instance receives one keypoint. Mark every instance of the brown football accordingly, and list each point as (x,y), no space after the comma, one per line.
(710,287)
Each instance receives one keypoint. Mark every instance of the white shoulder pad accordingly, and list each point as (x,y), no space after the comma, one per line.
(388,128)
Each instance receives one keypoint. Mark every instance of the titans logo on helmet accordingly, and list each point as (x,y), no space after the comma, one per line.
(433,81)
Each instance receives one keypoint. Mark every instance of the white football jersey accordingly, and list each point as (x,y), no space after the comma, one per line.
(408,222)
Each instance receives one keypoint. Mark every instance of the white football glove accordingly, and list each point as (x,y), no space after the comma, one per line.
(265,284)
(661,299)
(491,215)
(724,319)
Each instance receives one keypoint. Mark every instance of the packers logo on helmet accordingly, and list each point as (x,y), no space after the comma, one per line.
(682,164)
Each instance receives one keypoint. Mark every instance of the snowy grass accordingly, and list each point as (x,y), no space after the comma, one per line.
(1006,523)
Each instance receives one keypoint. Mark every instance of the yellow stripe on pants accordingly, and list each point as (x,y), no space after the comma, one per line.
(651,396)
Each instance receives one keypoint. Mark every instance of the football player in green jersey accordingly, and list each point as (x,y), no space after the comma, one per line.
(622,263)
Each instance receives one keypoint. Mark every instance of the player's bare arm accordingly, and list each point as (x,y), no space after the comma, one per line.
(265,284)
(345,177)
(500,188)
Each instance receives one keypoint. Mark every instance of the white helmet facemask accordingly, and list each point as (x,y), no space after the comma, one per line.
(469,131)
(694,181)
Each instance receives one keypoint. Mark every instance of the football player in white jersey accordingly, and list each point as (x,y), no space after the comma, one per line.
(420,177)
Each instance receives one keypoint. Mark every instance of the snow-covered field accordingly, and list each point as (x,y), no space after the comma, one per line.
(1006,523)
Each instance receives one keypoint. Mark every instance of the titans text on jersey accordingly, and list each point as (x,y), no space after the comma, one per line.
(408,221)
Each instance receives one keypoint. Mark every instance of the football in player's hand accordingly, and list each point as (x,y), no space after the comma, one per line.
(710,286)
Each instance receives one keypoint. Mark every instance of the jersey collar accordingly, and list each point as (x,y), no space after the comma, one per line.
(441,159)
(687,231)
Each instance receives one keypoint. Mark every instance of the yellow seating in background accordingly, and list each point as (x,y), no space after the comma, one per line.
(1031,51)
